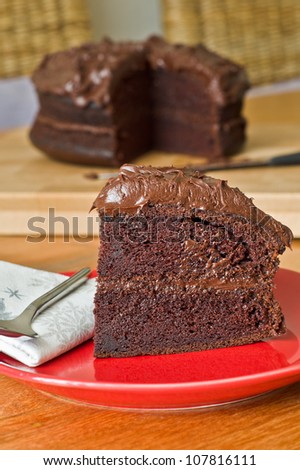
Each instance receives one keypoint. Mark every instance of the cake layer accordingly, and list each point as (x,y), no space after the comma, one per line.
(164,318)
(188,136)
(62,108)
(157,243)
(169,89)
(75,146)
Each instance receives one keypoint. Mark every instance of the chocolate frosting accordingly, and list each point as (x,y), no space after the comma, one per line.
(88,73)
(137,186)
(225,80)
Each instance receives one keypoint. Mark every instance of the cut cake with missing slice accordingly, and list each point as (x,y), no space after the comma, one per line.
(107,103)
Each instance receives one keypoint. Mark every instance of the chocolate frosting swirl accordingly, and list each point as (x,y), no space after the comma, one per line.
(137,186)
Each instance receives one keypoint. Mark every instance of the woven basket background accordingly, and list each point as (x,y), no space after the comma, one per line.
(263,35)
(31,28)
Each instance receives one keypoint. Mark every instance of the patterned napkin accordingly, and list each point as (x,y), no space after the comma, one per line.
(60,327)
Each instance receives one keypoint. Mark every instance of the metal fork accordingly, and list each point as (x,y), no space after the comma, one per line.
(21,325)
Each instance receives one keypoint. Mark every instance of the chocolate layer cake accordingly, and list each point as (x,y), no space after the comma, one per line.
(107,103)
(186,263)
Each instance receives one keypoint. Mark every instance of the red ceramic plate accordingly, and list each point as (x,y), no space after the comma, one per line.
(175,381)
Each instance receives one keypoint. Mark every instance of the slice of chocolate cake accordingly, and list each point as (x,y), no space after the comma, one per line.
(107,103)
(186,263)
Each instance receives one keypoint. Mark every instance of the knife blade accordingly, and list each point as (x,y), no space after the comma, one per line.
(280,160)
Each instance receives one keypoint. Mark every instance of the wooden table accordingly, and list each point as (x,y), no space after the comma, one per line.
(32,420)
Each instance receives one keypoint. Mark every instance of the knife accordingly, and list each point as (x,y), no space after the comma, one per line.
(281,160)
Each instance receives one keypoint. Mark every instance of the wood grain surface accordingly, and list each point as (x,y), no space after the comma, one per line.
(33,420)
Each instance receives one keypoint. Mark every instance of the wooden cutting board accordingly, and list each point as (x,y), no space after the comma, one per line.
(40,195)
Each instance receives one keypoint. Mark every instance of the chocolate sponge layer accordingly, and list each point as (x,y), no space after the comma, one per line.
(160,241)
(162,318)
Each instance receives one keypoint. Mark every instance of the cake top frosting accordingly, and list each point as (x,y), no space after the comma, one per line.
(138,186)
(87,73)
(225,80)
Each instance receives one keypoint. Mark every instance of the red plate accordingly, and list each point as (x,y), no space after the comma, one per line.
(180,380)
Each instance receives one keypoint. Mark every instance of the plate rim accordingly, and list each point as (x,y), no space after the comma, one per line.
(28,374)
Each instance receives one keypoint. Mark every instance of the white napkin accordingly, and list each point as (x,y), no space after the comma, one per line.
(60,327)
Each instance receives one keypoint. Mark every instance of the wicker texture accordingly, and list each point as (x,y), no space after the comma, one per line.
(263,35)
(31,28)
